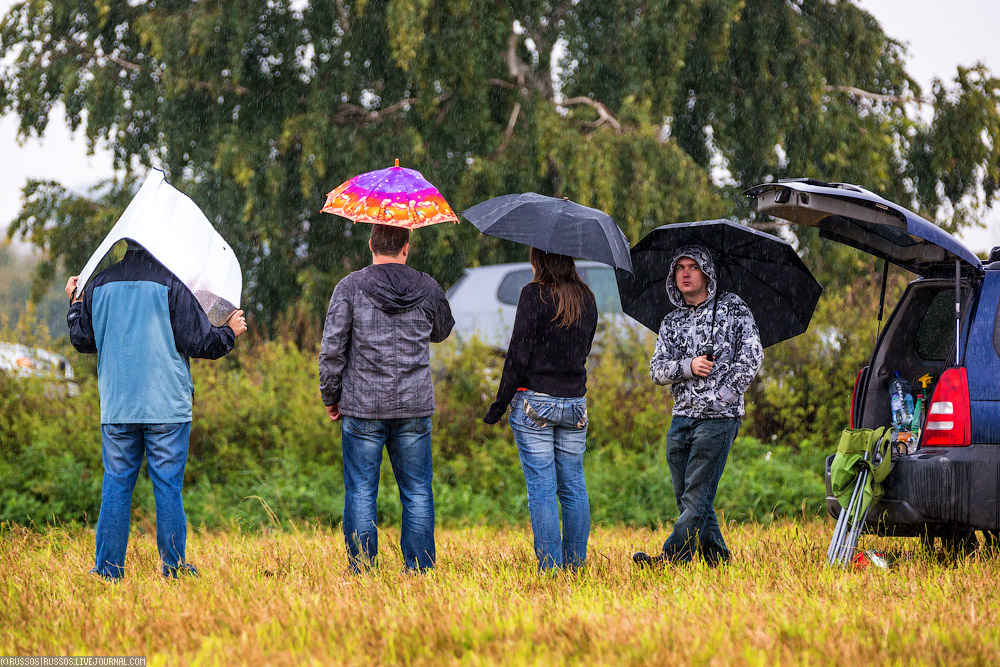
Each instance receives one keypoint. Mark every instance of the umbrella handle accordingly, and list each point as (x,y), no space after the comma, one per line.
(709,351)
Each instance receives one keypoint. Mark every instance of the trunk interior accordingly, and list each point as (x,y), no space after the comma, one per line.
(919,338)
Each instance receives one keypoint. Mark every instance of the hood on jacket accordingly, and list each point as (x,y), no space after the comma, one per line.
(395,288)
(704,260)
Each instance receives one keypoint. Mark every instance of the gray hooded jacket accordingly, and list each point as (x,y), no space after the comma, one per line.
(683,335)
(374,360)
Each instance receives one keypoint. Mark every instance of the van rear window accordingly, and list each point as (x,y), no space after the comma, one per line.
(603,284)
(601,281)
(510,287)
(936,334)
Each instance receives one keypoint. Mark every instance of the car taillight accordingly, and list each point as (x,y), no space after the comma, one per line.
(948,422)
(854,394)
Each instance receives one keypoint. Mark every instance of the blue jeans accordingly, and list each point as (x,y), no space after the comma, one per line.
(551,437)
(409,444)
(122,448)
(697,450)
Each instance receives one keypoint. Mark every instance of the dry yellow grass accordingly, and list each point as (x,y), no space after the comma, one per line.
(284,598)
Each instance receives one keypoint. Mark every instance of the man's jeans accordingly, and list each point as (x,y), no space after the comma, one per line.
(166,448)
(696,452)
(551,437)
(409,444)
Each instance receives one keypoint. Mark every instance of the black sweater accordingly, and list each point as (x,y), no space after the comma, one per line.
(543,357)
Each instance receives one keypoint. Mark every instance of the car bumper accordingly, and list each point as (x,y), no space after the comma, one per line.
(959,485)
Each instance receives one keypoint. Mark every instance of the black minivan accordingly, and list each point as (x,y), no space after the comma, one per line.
(950,486)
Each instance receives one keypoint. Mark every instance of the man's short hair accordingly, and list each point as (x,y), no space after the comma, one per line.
(389,241)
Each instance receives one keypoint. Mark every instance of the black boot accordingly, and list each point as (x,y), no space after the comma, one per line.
(642,559)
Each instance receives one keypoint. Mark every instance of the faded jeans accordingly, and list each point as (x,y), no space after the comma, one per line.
(408,442)
(551,437)
(697,450)
(123,446)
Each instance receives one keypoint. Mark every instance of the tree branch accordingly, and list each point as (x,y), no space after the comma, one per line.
(357,115)
(509,132)
(558,15)
(342,16)
(520,71)
(516,67)
(226,87)
(136,67)
(121,62)
(505,84)
(878,97)
(603,115)
(444,110)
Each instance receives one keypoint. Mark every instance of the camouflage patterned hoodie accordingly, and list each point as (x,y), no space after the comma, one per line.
(683,334)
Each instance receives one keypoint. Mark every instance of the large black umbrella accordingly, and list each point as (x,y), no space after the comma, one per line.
(762,269)
(553,225)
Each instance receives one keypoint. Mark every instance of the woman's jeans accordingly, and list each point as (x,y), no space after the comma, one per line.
(697,450)
(409,444)
(122,448)
(551,436)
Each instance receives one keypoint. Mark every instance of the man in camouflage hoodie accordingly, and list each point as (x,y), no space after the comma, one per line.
(708,351)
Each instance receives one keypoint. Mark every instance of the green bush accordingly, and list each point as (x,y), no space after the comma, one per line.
(264,452)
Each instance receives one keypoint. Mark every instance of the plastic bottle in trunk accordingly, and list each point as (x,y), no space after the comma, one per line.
(901,401)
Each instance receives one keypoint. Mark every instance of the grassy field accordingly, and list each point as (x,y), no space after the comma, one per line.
(286,597)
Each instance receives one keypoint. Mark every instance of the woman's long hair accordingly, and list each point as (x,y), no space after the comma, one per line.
(557,274)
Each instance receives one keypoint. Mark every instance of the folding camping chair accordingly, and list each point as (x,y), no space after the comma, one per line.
(862,463)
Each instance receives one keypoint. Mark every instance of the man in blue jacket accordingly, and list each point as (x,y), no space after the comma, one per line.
(144,324)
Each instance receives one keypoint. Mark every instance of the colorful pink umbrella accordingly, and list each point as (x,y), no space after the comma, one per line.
(395,196)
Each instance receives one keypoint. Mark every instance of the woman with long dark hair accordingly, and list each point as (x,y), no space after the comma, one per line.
(544,381)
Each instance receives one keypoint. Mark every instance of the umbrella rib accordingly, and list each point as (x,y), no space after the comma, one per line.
(612,243)
(739,246)
(767,260)
(767,285)
(749,274)
(555,224)
(771,262)
(371,191)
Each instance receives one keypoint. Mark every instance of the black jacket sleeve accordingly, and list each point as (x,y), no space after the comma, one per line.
(81,329)
(336,344)
(518,352)
(443,320)
(194,335)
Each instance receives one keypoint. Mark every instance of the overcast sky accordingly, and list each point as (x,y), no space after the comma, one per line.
(940,35)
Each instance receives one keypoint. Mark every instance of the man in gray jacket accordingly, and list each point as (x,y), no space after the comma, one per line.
(374,370)
(708,351)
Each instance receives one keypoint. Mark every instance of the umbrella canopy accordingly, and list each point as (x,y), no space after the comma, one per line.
(553,225)
(396,196)
(761,269)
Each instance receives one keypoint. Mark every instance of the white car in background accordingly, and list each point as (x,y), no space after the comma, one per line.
(484,300)
(34,362)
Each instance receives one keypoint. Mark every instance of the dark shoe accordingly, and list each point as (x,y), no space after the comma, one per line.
(717,561)
(183,570)
(105,577)
(642,559)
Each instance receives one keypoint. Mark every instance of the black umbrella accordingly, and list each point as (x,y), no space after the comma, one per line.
(553,225)
(762,269)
